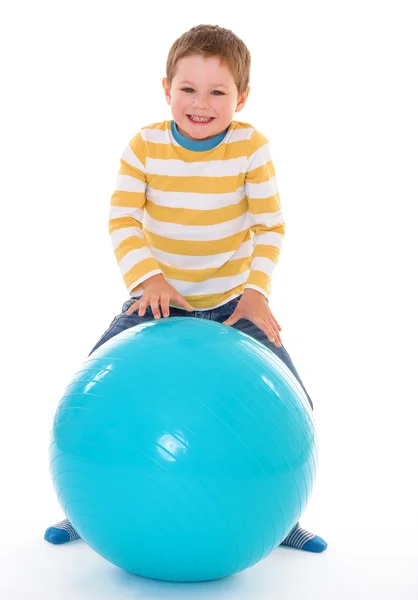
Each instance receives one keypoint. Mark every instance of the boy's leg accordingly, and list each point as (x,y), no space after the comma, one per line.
(63,532)
(298,538)
(223,312)
(123,321)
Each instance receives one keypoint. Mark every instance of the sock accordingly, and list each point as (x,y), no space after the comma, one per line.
(61,532)
(304,540)
(299,538)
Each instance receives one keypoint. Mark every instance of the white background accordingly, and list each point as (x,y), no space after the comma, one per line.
(334,88)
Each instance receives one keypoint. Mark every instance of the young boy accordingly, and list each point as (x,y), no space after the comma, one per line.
(195,219)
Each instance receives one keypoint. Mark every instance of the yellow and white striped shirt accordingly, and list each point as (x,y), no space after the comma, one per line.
(209,221)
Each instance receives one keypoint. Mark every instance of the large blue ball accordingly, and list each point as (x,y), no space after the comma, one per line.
(183,450)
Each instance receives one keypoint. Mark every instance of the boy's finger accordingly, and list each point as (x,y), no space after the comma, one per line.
(234,318)
(277,339)
(277,323)
(183,302)
(269,333)
(267,329)
(143,305)
(165,308)
(132,308)
(276,328)
(155,306)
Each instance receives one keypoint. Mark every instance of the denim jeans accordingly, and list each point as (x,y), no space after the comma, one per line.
(220,314)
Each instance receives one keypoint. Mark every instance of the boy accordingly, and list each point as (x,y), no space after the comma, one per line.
(195,219)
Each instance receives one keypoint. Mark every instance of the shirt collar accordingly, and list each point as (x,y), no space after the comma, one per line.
(197,145)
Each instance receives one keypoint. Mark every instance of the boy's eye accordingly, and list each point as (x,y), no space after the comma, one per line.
(215,92)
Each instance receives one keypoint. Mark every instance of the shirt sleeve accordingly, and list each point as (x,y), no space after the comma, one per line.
(131,249)
(266,216)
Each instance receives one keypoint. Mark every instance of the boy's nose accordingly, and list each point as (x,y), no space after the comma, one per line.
(201,103)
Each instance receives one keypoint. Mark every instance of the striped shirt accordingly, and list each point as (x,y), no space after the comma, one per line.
(205,214)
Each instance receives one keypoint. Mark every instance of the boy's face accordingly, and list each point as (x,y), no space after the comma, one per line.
(203,87)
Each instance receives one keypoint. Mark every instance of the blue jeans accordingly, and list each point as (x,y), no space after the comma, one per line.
(220,314)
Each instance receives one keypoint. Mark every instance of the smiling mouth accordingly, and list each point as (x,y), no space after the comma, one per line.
(197,121)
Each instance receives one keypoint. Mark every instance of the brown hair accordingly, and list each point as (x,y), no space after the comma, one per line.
(212,40)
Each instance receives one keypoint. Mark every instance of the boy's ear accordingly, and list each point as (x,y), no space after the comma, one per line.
(166,90)
(242,99)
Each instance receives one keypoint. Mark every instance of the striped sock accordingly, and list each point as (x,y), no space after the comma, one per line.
(61,532)
(304,540)
(298,538)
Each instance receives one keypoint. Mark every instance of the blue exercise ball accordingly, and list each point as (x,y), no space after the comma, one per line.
(183,450)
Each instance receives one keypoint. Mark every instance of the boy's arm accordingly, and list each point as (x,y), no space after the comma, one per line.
(266,216)
(125,219)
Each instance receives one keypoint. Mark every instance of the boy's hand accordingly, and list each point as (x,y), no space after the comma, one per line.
(157,291)
(254,307)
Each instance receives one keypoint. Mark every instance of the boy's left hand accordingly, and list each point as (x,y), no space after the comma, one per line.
(254,307)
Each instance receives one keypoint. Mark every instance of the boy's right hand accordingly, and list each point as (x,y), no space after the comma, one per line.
(157,291)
